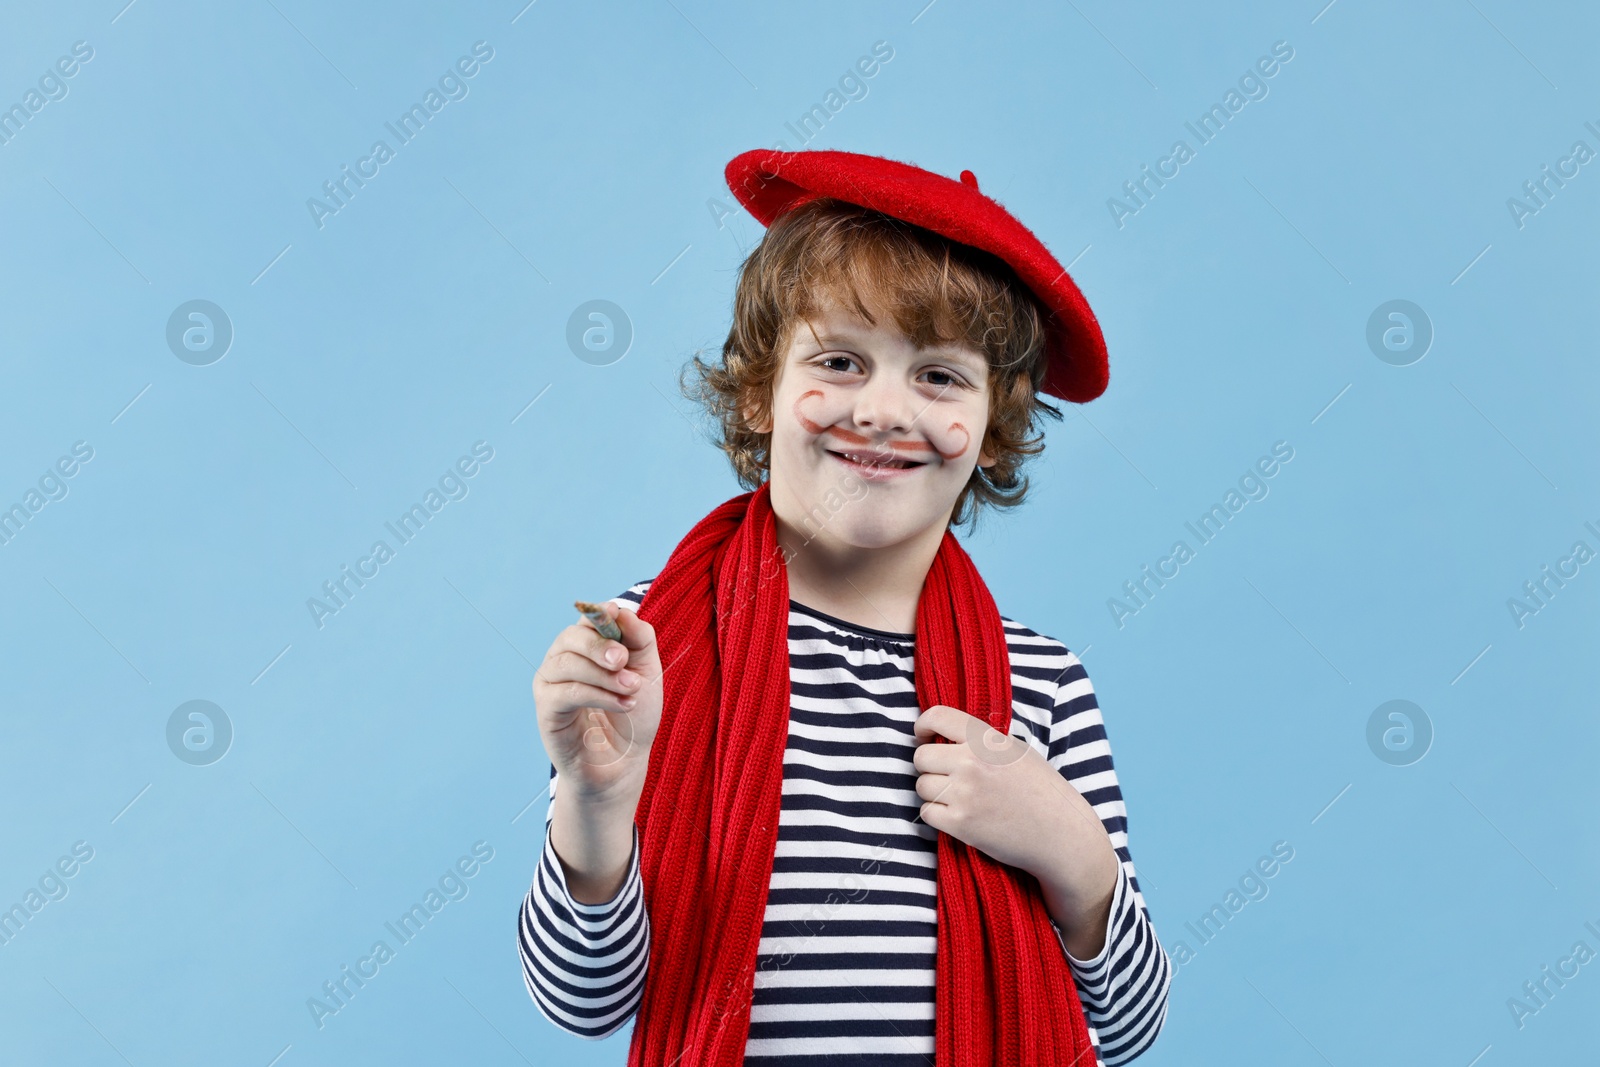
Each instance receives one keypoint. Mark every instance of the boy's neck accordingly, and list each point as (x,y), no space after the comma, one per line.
(873,587)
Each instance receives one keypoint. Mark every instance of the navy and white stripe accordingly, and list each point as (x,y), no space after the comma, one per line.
(845,967)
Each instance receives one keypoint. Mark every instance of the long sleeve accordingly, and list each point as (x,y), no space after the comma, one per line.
(584,964)
(1124,988)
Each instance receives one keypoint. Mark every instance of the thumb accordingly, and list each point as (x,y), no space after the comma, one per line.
(637,635)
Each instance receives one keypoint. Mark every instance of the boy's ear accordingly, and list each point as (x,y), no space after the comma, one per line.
(761,425)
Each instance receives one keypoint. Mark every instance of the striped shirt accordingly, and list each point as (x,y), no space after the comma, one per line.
(845,965)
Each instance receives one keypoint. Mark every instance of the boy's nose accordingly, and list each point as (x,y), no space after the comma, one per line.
(886,406)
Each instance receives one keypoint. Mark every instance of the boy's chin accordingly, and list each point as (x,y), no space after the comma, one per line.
(889,525)
(860,515)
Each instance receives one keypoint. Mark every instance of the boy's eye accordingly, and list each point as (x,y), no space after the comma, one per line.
(941,379)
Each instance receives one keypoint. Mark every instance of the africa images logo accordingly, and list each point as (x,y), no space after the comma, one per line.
(452,86)
(452,885)
(452,485)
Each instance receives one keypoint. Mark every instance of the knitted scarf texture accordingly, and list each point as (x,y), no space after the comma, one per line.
(708,813)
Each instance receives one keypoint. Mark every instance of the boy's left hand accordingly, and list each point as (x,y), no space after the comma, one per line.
(999,795)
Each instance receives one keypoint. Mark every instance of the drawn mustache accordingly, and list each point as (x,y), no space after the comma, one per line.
(877,448)
(850,437)
(856,440)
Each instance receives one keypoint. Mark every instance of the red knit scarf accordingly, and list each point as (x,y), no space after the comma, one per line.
(708,814)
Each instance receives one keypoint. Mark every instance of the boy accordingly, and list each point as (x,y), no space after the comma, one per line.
(821,799)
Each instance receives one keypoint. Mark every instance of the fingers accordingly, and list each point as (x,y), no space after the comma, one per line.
(583,638)
(637,647)
(569,666)
(936,759)
(940,720)
(636,633)
(584,669)
(933,787)
(570,696)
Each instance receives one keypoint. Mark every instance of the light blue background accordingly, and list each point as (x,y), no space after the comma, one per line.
(588,155)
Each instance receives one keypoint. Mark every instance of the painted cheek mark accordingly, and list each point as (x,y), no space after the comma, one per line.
(811,427)
(966,440)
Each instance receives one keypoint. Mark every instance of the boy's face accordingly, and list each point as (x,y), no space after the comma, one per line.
(872,439)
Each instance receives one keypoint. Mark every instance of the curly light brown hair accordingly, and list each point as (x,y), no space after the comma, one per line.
(936,291)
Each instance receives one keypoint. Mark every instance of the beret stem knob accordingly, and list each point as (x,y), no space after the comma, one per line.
(969,178)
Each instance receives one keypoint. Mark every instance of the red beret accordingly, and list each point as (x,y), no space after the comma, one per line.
(769,182)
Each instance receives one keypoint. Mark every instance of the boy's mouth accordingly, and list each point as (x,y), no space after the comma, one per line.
(872,465)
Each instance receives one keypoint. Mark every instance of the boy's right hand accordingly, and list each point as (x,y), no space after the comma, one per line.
(598,744)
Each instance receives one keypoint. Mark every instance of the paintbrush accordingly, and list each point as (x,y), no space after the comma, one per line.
(597,615)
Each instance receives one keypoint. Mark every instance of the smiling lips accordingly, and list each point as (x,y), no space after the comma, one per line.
(873,468)
(873,459)
(873,453)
